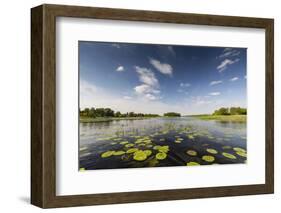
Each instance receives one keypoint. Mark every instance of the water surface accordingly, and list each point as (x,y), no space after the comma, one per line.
(165,141)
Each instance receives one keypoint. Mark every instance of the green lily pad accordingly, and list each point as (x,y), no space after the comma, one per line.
(162,139)
(107,154)
(124,142)
(208,158)
(237,149)
(82,169)
(140,155)
(129,145)
(191,152)
(191,163)
(161,156)
(212,151)
(191,137)
(242,154)
(177,141)
(132,150)
(147,152)
(120,152)
(226,147)
(227,155)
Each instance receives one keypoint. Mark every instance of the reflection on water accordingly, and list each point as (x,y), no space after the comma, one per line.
(161,142)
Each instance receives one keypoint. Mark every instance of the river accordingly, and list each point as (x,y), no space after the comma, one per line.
(158,142)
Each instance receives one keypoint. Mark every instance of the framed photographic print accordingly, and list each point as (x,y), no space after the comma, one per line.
(137,106)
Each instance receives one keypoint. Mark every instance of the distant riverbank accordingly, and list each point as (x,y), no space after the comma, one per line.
(106,119)
(226,118)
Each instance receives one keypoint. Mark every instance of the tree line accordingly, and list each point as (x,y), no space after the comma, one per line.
(230,111)
(107,112)
(172,114)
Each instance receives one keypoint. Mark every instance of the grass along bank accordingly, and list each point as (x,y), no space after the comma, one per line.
(106,119)
(226,118)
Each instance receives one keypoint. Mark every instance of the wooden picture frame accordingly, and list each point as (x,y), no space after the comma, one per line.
(43,105)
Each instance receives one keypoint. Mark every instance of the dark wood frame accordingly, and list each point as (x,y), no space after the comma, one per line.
(43,105)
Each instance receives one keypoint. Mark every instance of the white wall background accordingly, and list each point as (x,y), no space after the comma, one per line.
(15,104)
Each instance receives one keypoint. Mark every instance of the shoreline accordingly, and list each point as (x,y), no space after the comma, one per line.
(107,119)
(224,118)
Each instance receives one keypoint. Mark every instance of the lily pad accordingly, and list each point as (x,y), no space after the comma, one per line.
(208,158)
(212,151)
(237,149)
(147,152)
(226,147)
(120,152)
(191,152)
(192,163)
(227,155)
(132,150)
(140,155)
(129,145)
(107,154)
(161,156)
(124,142)
(191,137)
(242,154)
(82,169)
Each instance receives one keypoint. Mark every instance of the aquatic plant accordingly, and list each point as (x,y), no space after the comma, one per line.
(192,163)
(132,150)
(242,154)
(237,149)
(212,151)
(228,155)
(107,154)
(120,152)
(191,152)
(147,152)
(82,169)
(123,142)
(208,158)
(161,155)
(129,145)
(140,155)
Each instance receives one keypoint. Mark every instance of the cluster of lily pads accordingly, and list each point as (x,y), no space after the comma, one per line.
(211,157)
(140,150)
(142,145)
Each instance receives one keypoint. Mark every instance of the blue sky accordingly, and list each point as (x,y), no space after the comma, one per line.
(152,78)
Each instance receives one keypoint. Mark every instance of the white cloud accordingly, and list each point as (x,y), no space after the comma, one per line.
(234,79)
(185,84)
(214,93)
(127,97)
(144,88)
(120,69)
(225,63)
(147,76)
(215,83)
(86,88)
(166,69)
(116,45)
(150,97)
(171,50)
(229,52)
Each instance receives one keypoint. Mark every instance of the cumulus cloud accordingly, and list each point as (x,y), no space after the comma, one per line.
(234,79)
(116,45)
(229,52)
(120,69)
(185,84)
(164,68)
(144,88)
(225,63)
(215,83)
(147,76)
(214,93)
